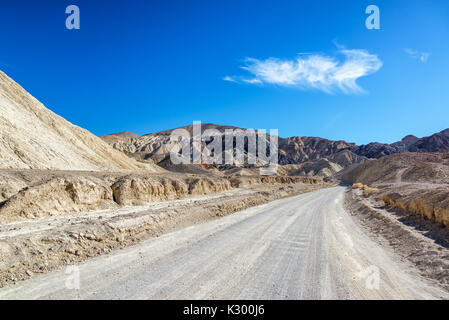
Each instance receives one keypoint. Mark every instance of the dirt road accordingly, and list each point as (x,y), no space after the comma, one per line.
(304,247)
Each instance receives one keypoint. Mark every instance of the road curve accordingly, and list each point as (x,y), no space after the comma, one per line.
(304,247)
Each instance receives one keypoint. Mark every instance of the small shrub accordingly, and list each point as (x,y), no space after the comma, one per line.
(400,206)
(412,207)
(424,210)
(388,201)
(442,215)
(368,191)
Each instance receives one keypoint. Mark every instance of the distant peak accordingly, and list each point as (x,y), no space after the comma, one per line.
(410,138)
(124,134)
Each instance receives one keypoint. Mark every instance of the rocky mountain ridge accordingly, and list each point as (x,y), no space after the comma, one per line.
(311,155)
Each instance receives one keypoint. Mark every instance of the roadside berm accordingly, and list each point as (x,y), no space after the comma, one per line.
(31,194)
(55,219)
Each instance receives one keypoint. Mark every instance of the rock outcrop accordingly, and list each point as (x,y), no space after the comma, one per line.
(31,194)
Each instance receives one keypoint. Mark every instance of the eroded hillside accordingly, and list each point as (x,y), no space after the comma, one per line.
(33,137)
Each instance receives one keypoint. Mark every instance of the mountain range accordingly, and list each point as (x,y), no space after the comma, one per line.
(438,142)
(305,155)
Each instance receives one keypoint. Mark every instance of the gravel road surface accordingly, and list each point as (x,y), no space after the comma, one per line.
(304,247)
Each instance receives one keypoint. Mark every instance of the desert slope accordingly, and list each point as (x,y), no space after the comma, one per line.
(410,183)
(33,137)
(402,168)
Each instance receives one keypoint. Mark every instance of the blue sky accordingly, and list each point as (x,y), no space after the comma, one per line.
(310,68)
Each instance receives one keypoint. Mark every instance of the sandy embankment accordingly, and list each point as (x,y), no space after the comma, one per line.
(30,194)
(51,219)
(423,243)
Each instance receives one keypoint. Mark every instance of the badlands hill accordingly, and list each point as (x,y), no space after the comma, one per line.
(416,183)
(33,137)
(121,136)
(316,156)
(155,146)
(403,168)
(292,150)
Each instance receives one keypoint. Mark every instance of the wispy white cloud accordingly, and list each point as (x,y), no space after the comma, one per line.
(313,71)
(253,81)
(421,56)
(228,78)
